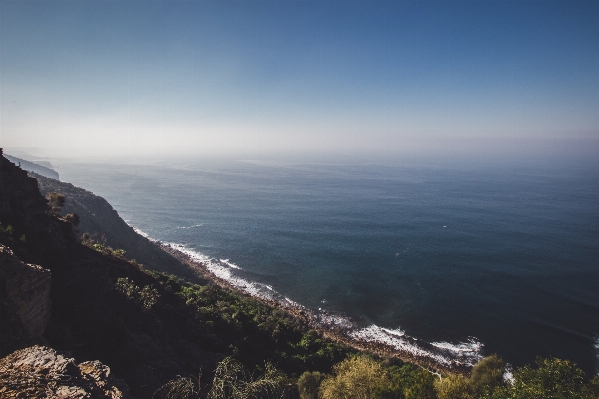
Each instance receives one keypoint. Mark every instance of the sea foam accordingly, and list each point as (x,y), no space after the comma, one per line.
(463,353)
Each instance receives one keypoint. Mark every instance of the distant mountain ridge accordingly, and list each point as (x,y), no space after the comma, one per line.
(43,170)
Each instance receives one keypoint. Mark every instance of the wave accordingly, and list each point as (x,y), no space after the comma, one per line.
(445,353)
(462,353)
(142,233)
(186,227)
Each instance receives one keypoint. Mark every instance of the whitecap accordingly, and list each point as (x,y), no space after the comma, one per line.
(230,264)
(141,232)
(464,353)
(444,353)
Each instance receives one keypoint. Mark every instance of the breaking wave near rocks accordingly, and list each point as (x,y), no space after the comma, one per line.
(466,353)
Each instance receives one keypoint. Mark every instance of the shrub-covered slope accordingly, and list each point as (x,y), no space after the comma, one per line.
(148,328)
(100,220)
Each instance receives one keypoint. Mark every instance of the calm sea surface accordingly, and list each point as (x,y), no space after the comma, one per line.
(506,257)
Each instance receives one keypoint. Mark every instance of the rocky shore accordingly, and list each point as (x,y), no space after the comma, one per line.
(336,332)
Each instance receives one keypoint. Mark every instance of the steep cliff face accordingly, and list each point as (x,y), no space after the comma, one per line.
(89,316)
(24,302)
(35,236)
(34,167)
(42,372)
(98,218)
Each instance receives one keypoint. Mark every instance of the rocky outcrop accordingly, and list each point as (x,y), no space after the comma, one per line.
(42,372)
(28,228)
(24,302)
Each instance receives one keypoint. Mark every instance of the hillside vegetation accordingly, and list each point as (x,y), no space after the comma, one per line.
(167,334)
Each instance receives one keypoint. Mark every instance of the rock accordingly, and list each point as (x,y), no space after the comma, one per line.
(42,372)
(24,302)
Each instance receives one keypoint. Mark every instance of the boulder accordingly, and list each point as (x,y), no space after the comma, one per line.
(24,302)
(42,372)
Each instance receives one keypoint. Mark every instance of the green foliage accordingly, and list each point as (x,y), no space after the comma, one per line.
(232,380)
(486,378)
(357,377)
(8,236)
(488,374)
(117,253)
(252,330)
(6,231)
(455,386)
(591,390)
(553,378)
(99,247)
(308,384)
(409,382)
(146,296)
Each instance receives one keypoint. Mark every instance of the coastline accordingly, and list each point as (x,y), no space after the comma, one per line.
(343,334)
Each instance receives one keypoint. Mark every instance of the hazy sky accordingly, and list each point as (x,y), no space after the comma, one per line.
(195,77)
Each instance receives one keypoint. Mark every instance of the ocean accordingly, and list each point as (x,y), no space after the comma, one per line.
(451,261)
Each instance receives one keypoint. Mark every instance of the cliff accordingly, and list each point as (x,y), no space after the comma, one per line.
(24,302)
(44,170)
(100,220)
(146,326)
(89,316)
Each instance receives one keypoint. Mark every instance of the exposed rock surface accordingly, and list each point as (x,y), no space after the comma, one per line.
(24,302)
(42,372)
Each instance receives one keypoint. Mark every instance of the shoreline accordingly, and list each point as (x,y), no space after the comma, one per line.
(334,332)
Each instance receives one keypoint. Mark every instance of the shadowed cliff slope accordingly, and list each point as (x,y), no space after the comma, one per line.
(100,220)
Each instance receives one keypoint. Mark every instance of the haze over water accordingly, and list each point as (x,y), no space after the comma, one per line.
(505,255)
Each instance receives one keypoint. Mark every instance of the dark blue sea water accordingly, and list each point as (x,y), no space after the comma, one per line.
(503,256)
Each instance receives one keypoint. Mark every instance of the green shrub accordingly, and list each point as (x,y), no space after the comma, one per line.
(308,384)
(357,377)
(455,386)
(488,374)
(146,296)
(409,382)
(553,378)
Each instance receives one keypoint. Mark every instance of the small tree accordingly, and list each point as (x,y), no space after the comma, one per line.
(55,201)
(488,374)
(552,379)
(354,378)
(308,384)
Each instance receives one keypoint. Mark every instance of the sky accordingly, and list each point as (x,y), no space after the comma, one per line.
(124,78)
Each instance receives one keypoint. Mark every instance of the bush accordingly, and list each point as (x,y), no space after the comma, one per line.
(354,378)
(553,378)
(410,382)
(308,384)
(56,201)
(146,296)
(488,374)
(455,386)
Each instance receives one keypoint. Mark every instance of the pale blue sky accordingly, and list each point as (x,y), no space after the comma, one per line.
(196,77)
